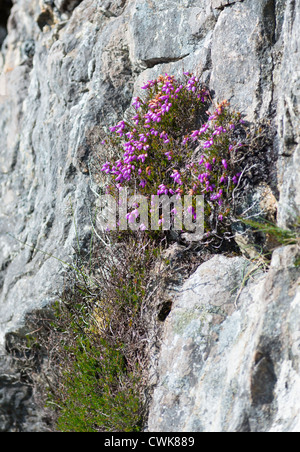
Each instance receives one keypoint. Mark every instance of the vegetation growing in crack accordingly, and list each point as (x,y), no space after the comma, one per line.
(176,143)
(278,236)
(97,341)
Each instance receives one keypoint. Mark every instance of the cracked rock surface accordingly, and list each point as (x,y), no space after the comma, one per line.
(68,68)
(228,364)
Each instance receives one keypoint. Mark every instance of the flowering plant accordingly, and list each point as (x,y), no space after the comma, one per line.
(173,145)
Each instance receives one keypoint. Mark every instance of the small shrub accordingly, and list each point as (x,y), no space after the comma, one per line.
(174,146)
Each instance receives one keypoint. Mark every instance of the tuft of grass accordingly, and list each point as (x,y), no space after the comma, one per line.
(281,236)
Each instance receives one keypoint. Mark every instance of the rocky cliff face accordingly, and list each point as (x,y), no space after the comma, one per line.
(69,68)
(230,355)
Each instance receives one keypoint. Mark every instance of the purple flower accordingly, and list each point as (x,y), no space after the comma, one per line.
(131,217)
(136,103)
(204,177)
(177,178)
(208,166)
(162,190)
(208,144)
(204,128)
(191,210)
(106,167)
(195,134)
(142,157)
(236,178)
(149,84)
(223,179)
(224,163)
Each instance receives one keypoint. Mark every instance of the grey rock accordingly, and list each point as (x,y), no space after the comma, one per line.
(18,412)
(54,152)
(246,56)
(29,48)
(49,129)
(288,118)
(153,24)
(111,8)
(228,364)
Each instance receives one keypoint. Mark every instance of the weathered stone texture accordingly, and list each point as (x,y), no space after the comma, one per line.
(288,117)
(77,79)
(230,361)
(166,32)
(18,412)
(69,68)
